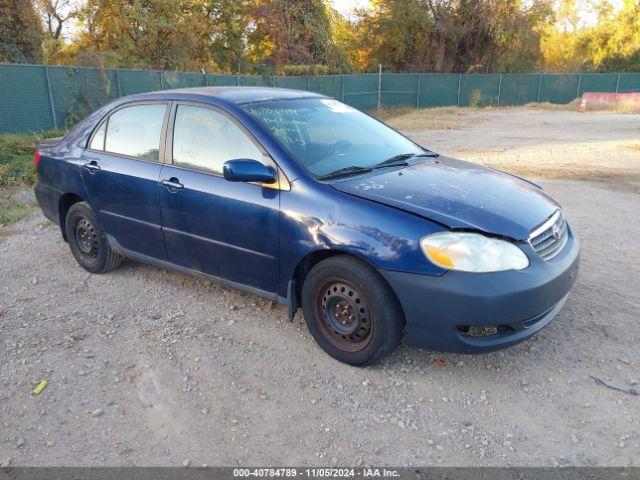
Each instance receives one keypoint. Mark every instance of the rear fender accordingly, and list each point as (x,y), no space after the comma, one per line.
(59,179)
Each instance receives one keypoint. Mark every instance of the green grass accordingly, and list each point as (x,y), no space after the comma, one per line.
(16,157)
(11,209)
(16,172)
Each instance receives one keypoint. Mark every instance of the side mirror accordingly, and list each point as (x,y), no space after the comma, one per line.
(245,170)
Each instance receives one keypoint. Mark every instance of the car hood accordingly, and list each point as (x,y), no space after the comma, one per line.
(460,195)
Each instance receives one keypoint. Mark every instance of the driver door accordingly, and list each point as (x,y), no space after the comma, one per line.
(221,228)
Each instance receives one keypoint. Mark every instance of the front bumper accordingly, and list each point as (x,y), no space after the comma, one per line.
(482,312)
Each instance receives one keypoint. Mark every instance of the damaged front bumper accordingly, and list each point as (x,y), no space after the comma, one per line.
(482,312)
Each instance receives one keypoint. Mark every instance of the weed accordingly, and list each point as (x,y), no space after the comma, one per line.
(16,157)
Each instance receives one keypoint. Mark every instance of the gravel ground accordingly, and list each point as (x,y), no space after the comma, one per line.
(152,367)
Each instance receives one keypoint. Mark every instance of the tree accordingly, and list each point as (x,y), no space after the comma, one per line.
(615,45)
(20,32)
(293,32)
(227,30)
(345,37)
(55,14)
(395,33)
(157,34)
(452,35)
(309,36)
(559,39)
(612,44)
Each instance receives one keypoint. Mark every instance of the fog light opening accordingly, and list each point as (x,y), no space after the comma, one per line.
(478,330)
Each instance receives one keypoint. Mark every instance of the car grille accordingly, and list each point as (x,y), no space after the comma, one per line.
(550,237)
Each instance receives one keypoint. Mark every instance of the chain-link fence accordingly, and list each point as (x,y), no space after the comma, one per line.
(34,98)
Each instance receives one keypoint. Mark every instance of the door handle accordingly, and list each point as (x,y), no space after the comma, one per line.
(92,166)
(173,184)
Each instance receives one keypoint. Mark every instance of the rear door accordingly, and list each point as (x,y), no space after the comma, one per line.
(121,171)
(222,228)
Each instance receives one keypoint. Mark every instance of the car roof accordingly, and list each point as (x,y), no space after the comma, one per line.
(235,95)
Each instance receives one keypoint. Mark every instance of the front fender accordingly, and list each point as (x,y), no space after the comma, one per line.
(316,218)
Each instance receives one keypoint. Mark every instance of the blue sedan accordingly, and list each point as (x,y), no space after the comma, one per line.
(304,200)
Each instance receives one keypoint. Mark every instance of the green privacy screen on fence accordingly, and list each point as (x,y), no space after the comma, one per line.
(34,98)
(24,99)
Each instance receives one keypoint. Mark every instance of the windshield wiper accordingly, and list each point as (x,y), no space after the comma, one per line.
(395,161)
(345,172)
(401,159)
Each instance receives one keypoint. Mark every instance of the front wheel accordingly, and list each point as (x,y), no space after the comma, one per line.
(88,241)
(350,311)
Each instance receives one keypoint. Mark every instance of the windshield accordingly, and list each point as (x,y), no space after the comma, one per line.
(325,135)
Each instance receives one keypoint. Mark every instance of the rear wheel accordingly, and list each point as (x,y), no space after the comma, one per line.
(88,241)
(350,311)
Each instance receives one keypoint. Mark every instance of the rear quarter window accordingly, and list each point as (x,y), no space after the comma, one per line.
(97,142)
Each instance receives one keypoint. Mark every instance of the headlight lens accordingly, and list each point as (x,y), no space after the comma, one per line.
(472,252)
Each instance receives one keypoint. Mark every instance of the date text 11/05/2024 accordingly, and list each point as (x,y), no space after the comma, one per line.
(328,472)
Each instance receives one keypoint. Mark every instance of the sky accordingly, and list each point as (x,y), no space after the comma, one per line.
(345,7)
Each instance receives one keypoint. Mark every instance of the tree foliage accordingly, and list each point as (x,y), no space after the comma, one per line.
(294,32)
(158,34)
(20,32)
(309,36)
(612,44)
(55,14)
(452,35)
(226,28)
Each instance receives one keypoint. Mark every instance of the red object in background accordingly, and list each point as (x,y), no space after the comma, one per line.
(609,100)
(36,158)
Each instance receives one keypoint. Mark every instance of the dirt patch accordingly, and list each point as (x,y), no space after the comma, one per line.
(444,118)
(555,107)
(534,142)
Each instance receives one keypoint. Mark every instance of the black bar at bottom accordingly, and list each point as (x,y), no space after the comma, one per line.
(230,473)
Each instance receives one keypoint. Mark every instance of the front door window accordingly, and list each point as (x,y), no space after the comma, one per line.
(203,139)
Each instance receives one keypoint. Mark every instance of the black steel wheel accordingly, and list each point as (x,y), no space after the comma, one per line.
(86,238)
(88,241)
(351,311)
(346,316)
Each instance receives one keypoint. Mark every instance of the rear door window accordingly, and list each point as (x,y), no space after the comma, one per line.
(135,131)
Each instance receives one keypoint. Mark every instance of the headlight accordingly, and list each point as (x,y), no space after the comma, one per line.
(472,252)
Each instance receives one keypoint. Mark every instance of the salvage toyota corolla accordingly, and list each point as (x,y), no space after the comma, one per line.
(304,200)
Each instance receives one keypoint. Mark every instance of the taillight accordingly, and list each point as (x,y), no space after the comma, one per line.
(36,159)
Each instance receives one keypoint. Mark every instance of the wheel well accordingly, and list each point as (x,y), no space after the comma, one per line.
(64,205)
(305,266)
(311,260)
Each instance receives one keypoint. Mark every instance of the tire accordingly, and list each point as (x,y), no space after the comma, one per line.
(88,241)
(350,311)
